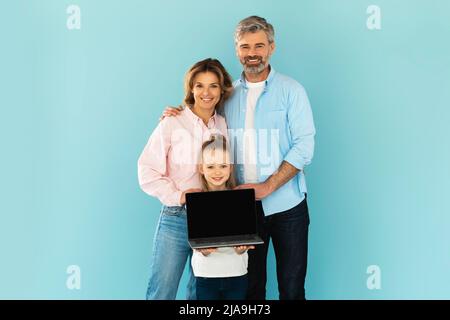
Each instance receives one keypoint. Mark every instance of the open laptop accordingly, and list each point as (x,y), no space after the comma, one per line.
(222,218)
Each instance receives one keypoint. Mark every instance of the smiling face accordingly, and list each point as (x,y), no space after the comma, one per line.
(206,91)
(216,168)
(254,50)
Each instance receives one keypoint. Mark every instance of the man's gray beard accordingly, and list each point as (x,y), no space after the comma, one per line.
(254,69)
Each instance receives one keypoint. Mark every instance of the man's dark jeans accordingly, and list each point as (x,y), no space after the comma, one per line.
(289,233)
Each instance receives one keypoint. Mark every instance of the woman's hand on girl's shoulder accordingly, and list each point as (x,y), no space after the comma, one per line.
(183,195)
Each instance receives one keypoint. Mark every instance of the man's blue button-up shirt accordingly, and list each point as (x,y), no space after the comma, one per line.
(284,128)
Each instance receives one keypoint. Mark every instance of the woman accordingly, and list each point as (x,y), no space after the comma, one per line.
(167,169)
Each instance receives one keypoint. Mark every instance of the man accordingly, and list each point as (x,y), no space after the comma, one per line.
(271,130)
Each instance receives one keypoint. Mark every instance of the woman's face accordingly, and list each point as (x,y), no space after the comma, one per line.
(216,167)
(206,90)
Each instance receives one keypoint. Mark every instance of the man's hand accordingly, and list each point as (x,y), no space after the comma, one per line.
(262,190)
(285,172)
(242,249)
(171,112)
(206,251)
(183,195)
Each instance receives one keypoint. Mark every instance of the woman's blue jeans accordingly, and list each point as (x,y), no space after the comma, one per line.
(170,253)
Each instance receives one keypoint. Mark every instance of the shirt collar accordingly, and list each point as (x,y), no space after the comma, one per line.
(268,80)
(194,117)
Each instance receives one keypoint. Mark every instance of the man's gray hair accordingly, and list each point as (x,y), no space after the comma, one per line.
(254,24)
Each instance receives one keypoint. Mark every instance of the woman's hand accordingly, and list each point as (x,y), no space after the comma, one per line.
(206,251)
(183,195)
(242,249)
(171,112)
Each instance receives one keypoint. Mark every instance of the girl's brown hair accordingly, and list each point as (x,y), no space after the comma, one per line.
(213,66)
(216,142)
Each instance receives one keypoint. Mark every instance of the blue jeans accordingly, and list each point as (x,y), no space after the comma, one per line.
(171,250)
(289,233)
(232,288)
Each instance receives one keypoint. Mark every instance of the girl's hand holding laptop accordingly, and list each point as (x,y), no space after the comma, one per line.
(239,250)
(206,251)
(242,249)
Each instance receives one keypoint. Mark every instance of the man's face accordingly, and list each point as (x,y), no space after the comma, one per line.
(254,51)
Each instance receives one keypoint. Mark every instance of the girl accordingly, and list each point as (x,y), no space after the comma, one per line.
(221,273)
(167,170)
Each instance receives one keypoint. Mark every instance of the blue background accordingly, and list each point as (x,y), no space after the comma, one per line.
(77,107)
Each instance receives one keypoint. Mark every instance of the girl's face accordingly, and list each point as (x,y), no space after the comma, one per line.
(206,90)
(216,168)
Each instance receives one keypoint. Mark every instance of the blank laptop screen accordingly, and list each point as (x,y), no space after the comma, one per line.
(221,213)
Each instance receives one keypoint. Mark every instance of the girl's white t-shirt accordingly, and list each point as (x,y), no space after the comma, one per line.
(223,263)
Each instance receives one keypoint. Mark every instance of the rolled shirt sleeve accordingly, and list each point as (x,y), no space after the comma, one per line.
(302,130)
(152,167)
